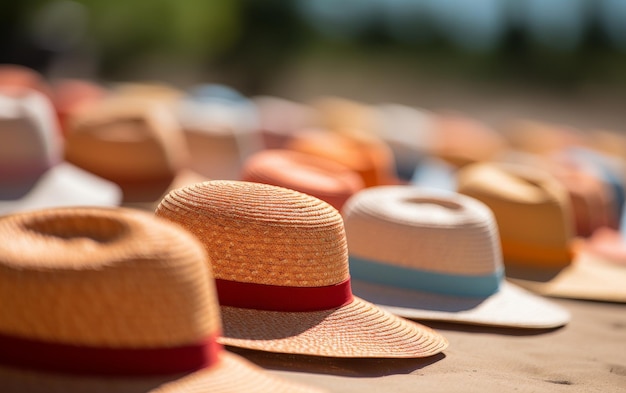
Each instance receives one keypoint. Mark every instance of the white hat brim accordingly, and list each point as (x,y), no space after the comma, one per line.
(511,306)
(65,185)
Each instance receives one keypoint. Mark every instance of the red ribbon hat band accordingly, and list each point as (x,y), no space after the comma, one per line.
(282,298)
(83,360)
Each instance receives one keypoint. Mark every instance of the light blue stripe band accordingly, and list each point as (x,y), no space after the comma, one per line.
(421,280)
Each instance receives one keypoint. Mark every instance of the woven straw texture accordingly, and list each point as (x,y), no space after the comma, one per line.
(136,144)
(410,227)
(531,207)
(322,178)
(266,234)
(115,279)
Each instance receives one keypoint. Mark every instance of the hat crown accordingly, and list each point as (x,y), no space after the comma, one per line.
(104,278)
(429,231)
(530,205)
(262,234)
(30,143)
(127,138)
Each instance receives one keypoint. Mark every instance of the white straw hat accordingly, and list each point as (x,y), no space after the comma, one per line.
(32,172)
(112,300)
(281,266)
(435,255)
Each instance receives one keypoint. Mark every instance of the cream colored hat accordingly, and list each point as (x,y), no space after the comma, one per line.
(535,220)
(435,255)
(32,171)
(281,266)
(112,300)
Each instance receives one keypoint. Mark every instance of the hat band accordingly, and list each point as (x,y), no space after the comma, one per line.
(86,360)
(424,280)
(533,255)
(282,298)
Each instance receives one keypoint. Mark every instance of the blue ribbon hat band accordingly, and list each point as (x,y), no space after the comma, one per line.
(426,281)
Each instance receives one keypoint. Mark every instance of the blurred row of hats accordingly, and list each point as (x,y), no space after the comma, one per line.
(130,143)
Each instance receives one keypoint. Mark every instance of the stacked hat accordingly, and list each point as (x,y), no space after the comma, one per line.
(98,300)
(280,260)
(314,175)
(534,216)
(32,171)
(370,157)
(436,255)
(135,143)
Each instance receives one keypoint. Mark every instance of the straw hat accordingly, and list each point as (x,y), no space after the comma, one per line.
(317,176)
(99,300)
(539,137)
(220,133)
(409,132)
(15,75)
(281,265)
(534,216)
(134,143)
(279,119)
(462,140)
(531,207)
(435,255)
(372,159)
(74,95)
(32,172)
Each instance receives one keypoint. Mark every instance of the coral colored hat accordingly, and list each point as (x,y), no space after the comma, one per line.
(112,300)
(317,176)
(281,266)
(32,171)
(436,255)
(135,143)
(371,158)
(534,216)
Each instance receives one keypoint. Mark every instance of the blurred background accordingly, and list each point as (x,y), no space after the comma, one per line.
(559,60)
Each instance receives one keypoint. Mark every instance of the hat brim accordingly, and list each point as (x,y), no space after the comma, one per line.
(356,330)
(588,277)
(511,306)
(65,185)
(231,374)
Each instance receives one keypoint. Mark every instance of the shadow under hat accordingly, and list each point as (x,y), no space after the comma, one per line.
(112,300)
(281,265)
(435,255)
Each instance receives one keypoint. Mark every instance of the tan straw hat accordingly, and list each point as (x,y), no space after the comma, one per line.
(317,176)
(281,265)
(134,143)
(112,300)
(435,255)
(33,174)
(534,216)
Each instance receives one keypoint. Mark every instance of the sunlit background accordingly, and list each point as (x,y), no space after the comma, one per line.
(557,60)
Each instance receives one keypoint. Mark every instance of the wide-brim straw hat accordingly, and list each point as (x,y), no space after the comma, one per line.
(435,255)
(112,300)
(536,228)
(280,261)
(322,178)
(134,143)
(32,172)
